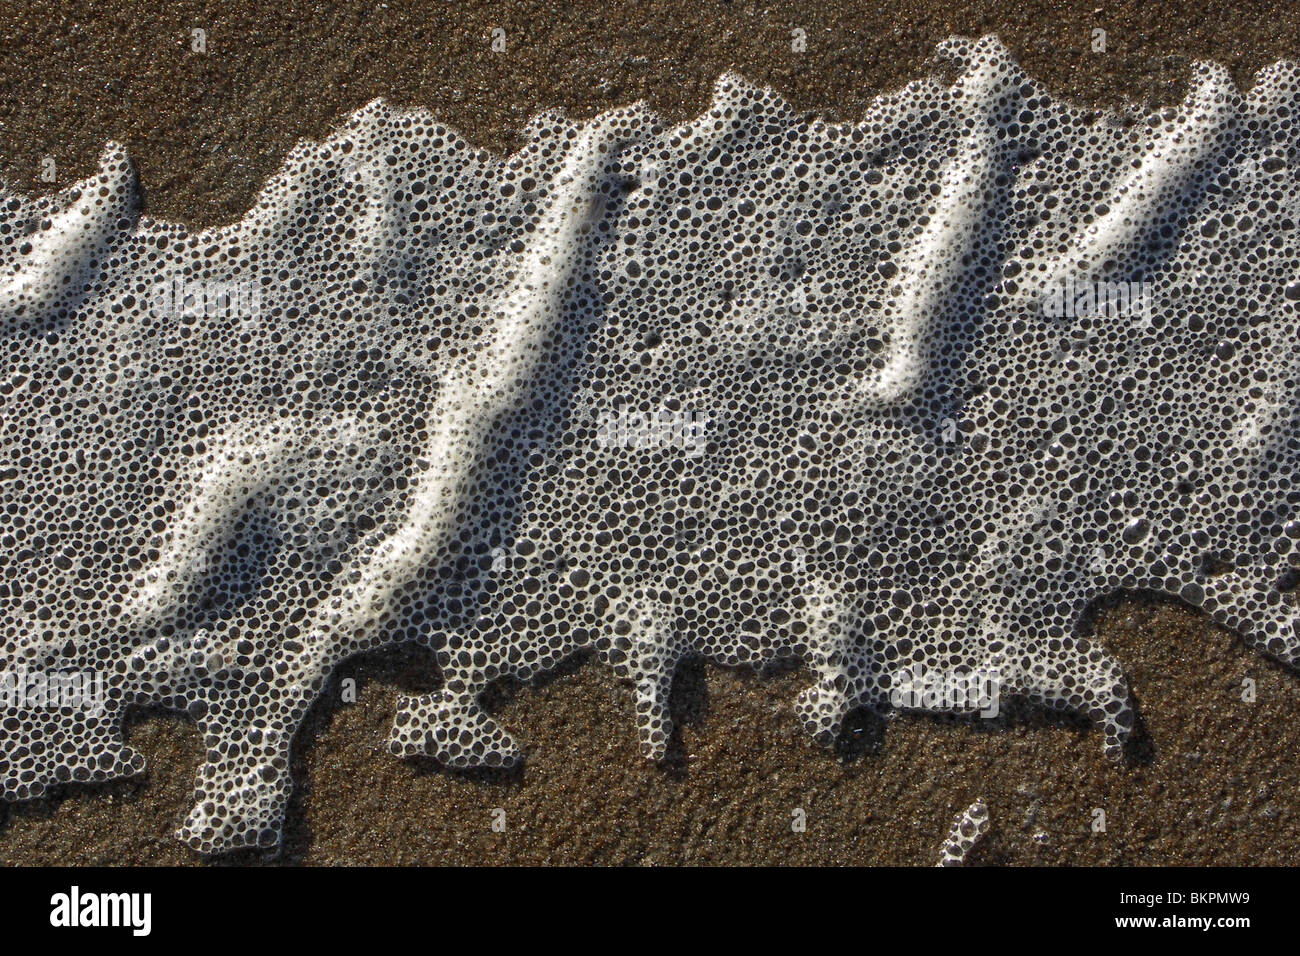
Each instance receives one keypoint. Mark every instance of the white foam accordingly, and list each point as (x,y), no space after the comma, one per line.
(376,410)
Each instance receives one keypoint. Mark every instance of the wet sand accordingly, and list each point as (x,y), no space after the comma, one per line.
(1209,778)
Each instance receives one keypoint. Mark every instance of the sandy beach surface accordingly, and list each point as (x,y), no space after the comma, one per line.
(1210,777)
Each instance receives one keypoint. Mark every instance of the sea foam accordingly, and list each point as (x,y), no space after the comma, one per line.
(949,374)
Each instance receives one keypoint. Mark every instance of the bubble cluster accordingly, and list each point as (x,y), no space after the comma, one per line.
(898,399)
(967,830)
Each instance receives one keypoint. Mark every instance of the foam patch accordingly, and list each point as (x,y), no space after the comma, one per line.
(899,399)
(967,831)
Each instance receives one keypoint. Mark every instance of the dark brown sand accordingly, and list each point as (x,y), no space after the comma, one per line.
(1210,778)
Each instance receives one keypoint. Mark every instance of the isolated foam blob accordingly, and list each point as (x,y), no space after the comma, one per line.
(967,830)
(751,388)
